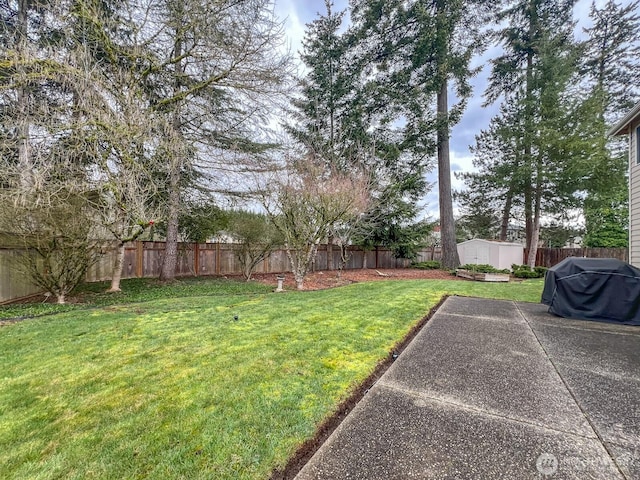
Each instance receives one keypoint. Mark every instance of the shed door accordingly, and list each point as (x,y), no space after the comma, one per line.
(476,254)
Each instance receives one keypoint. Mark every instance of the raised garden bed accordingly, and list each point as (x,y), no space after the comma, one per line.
(482,277)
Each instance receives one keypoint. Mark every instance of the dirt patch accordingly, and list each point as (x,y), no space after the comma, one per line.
(11,321)
(311,446)
(41,298)
(330,279)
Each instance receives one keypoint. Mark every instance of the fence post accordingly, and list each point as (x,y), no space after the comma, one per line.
(196,257)
(139,259)
(217,258)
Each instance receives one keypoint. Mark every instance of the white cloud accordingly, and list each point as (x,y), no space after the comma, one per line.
(293,25)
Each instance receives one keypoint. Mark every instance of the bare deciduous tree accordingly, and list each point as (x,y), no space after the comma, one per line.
(307,203)
(256,236)
(53,223)
(125,166)
(216,72)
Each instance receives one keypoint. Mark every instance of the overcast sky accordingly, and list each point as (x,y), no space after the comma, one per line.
(297,13)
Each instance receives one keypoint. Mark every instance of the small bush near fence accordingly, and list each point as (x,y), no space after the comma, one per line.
(428,265)
(482,268)
(523,271)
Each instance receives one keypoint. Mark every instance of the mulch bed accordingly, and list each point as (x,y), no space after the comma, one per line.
(330,279)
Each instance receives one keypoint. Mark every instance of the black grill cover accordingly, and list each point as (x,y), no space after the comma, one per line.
(602,289)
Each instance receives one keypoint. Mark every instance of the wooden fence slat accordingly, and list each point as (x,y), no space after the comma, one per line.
(548,257)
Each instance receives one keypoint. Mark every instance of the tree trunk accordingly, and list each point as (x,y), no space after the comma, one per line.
(116,273)
(450,258)
(22,127)
(330,265)
(247,267)
(344,258)
(299,261)
(170,259)
(528,133)
(528,213)
(533,248)
(299,269)
(506,215)
(60,298)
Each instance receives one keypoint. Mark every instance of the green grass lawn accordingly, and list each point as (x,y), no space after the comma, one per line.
(175,387)
(135,290)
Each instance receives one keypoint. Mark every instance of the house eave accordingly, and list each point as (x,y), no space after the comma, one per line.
(622,127)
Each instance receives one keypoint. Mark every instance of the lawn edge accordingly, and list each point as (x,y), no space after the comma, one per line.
(310,446)
(6,321)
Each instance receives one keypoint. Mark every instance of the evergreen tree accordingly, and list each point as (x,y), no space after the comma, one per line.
(451,63)
(413,51)
(610,56)
(128,106)
(322,112)
(214,68)
(345,120)
(495,188)
(538,63)
(29,87)
(607,221)
(610,70)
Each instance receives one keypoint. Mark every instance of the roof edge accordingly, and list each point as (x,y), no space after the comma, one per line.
(496,242)
(621,127)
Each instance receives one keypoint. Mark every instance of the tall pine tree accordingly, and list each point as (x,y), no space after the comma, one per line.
(345,119)
(416,51)
(537,64)
(610,70)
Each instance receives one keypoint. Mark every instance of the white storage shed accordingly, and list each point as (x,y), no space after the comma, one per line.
(500,255)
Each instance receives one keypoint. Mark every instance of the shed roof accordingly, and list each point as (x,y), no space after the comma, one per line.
(622,127)
(492,242)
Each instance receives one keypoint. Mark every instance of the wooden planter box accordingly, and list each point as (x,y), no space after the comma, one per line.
(483,277)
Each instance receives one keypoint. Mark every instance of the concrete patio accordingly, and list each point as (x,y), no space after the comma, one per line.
(497,390)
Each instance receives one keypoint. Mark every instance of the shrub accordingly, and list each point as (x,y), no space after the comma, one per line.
(428,265)
(523,271)
(541,271)
(482,268)
(256,236)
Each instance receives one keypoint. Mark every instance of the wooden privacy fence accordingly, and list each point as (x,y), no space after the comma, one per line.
(548,257)
(13,284)
(144,259)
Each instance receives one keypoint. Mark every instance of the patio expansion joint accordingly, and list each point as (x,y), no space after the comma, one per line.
(420,395)
(474,316)
(602,441)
